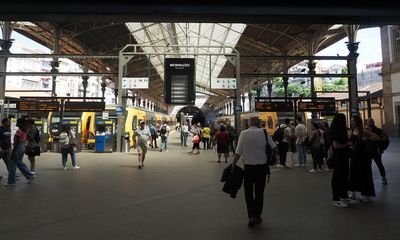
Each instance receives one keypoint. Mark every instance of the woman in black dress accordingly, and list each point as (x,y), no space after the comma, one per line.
(360,166)
(340,147)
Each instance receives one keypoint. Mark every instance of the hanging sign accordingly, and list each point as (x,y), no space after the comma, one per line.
(223,83)
(135,83)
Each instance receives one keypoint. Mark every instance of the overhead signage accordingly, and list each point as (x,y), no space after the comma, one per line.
(316,106)
(274,106)
(119,110)
(238,108)
(10,105)
(38,106)
(135,83)
(84,106)
(223,83)
(179,78)
(105,115)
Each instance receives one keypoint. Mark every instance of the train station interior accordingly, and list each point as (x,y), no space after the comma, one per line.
(96,78)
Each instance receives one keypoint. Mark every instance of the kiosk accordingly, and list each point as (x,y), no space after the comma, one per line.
(105,128)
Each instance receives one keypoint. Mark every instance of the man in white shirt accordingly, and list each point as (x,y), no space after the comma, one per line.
(143,135)
(252,149)
(301,133)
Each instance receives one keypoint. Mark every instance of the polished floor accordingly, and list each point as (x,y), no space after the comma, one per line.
(178,196)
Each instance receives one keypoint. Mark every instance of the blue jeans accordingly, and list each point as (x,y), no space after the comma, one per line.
(16,162)
(185,137)
(64,156)
(301,157)
(164,142)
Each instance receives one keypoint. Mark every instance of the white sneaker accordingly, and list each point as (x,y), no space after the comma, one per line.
(348,200)
(65,168)
(33,172)
(76,167)
(297,165)
(319,170)
(32,179)
(340,204)
(313,170)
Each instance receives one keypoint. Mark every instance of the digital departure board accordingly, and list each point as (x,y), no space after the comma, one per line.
(274,106)
(316,106)
(84,106)
(38,106)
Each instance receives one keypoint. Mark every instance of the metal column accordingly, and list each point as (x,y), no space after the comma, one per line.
(55,63)
(237,94)
(85,78)
(5,45)
(311,70)
(352,46)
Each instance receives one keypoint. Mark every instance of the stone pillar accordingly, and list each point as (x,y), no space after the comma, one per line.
(116,95)
(84,84)
(103,87)
(269,86)
(144,103)
(352,46)
(148,104)
(5,45)
(243,101)
(250,99)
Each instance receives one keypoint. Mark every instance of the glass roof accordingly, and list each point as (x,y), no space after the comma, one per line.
(208,35)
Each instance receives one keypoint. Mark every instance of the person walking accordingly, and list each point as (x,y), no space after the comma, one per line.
(327,144)
(32,148)
(282,136)
(361,179)
(300,133)
(222,141)
(17,154)
(340,147)
(377,147)
(143,135)
(206,137)
(251,148)
(164,133)
(68,143)
(185,132)
(154,136)
(232,137)
(5,142)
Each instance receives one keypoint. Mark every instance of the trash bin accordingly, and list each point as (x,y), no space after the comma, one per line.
(100,143)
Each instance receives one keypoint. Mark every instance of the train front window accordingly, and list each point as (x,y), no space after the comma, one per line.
(89,119)
(270,123)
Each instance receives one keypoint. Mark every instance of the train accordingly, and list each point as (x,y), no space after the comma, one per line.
(90,122)
(268,119)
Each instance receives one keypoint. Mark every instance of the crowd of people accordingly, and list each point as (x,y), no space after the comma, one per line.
(346,152)
(26,142)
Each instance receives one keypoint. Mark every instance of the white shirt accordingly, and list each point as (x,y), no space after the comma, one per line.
(185,128)
(143,136)
(300,132)
(251,146)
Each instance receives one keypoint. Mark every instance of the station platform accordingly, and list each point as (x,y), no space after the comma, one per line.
(179,196)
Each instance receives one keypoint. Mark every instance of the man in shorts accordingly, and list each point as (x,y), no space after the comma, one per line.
(143,135)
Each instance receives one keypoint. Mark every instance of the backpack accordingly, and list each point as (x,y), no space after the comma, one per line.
(271,156)
(384,144)
(278,134)
(163,130)
(221,141)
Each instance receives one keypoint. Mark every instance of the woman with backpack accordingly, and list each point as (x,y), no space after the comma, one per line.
(315,140)
(67,145)
(222,141)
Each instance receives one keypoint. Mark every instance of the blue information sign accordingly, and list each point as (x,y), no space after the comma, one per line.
(238,108)
(119,110)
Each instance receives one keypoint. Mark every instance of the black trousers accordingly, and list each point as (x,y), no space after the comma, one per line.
(340,178)
(254,184)
(283,149)
(378,160)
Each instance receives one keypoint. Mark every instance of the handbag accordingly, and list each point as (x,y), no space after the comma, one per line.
(196,138)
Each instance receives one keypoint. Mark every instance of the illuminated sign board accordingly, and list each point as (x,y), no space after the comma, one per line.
(274,106)
(316,106)
(179,78)
(84,106)
(38,106)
